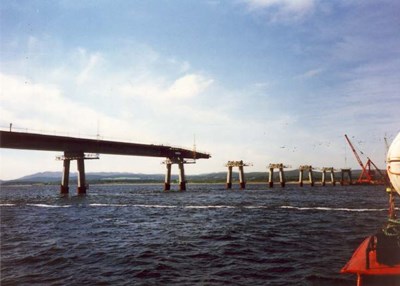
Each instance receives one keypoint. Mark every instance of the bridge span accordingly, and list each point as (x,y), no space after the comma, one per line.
(77,149)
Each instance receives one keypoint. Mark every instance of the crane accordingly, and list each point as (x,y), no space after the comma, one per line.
(366,173)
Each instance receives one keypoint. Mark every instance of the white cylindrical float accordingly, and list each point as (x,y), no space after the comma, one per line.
(393,163)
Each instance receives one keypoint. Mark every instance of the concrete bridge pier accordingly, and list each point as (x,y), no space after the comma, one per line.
(348,173)
(242,182)
(182,181)
(323,180)
(181,164)
(333,177)
(280,167)
(229,178)
(167,182)
(310,174)
(301,171)
(271,178)
(240,165)
(80,158)
(64,188)
(332,171)
(281,177)
(81,176)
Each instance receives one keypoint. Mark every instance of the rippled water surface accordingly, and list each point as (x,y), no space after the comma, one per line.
(139,235)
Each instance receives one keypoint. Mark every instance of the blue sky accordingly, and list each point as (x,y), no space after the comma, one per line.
(264,81)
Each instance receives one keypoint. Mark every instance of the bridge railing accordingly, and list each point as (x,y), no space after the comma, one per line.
(47,132)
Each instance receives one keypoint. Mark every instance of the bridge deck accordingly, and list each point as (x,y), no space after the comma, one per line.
(32,141)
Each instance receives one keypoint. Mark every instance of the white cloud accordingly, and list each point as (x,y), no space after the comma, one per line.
(89,62)
(283,9)
(131,93)
(286,4)
(132,102)
(188,86)
(44,108)
(145,89)
(311,73)
(183,67)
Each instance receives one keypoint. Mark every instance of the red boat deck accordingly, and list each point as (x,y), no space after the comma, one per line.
(364,263)
(358,263)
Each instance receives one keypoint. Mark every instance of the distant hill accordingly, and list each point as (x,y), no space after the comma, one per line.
(97,177)
(41,177)
(113,177)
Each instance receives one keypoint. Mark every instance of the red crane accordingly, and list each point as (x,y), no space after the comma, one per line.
(366,176)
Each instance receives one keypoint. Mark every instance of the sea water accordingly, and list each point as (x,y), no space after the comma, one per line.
(140,235)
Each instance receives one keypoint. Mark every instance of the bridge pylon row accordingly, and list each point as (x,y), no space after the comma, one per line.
(80,157)
(280,166)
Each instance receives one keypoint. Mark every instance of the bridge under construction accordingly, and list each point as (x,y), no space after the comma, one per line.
(81,149)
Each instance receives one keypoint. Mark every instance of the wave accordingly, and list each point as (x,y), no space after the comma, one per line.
(332,209)
(155,206)
(48,206)
(199,207)
(210,207)
(108,205)
(256,207)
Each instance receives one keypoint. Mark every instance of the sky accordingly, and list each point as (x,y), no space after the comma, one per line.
(263,81)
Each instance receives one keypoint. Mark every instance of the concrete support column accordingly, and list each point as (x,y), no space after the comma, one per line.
(342,178)
(229,178)
(182,182)
(271,177)
(64,189)
(350,180)
(241,178)
(281,177)
(323,180)
(333,178)
(343,172)
(311,176)
(301,177)
(167,182)
(81,176)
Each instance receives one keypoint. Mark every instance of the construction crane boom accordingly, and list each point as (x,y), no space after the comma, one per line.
(354,151)
(383,177)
